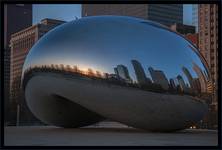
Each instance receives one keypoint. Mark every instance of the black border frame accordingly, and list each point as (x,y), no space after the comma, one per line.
(218,2)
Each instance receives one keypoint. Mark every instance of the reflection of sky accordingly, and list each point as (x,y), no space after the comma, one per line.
(103,49)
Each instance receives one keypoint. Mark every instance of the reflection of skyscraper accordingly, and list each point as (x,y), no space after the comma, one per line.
(181,83)
(201,77)
(122,72)
(188,75)
(159,77)
(140,73)
(172,84)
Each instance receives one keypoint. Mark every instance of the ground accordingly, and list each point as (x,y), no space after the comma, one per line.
(105,136)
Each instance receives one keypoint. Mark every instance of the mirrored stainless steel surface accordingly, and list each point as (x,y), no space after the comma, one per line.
(122,53)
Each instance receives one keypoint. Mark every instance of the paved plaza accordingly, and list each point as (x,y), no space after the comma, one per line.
(105,136)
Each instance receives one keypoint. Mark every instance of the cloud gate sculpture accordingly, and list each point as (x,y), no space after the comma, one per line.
(133,71)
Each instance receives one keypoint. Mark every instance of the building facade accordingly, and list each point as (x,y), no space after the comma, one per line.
(162,13)
(16,18)
(20,43)
(208,39)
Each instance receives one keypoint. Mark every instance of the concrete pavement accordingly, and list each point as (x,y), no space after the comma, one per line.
(94,136)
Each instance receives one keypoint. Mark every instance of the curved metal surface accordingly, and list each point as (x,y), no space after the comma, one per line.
(129,65)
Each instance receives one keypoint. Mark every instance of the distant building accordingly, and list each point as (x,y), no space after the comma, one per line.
(195,16)
(182,28)
(20,43)
(166,14)
(16,17)
(208,39)
(159,77)
(123,73)
(194,38)
(140,73)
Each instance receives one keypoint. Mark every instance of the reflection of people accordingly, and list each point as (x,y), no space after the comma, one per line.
(159,77)
(140,74)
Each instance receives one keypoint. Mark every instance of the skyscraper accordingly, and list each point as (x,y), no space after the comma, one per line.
(20,43)
(159,77)
(166,14)
(16,17)
(208,39)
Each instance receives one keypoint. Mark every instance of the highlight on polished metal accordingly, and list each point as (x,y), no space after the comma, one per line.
(133,71)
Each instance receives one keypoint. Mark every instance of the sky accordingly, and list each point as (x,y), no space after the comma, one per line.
(68,12)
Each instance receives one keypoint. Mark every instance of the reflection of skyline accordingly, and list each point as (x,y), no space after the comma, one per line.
(121,74)
(176,85)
